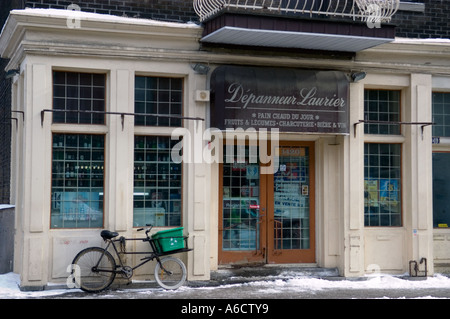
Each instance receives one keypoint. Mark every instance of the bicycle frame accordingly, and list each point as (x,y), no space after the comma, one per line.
(153,254)
(98,266)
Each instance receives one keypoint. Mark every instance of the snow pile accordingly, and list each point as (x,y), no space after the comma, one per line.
(98,17)
(373,282)
(9,286)
(9,289)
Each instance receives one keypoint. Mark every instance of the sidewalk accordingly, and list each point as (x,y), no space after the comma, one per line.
(258,292)
(231,276)
(245,283)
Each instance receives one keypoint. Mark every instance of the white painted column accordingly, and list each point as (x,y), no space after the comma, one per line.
(353,199)
(197,189)
(36,178)
(418,194)
(119,159)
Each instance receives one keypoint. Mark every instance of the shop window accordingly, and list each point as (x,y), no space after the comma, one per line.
(441,189)
(382,184)
(382,106)
(77,181)
(160,99)
(79,96)
(157,183)
(441,114)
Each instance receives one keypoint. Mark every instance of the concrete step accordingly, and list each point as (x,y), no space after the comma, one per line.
(242,274)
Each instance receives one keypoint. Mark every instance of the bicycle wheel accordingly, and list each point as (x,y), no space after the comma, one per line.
(170,273)
(96,269)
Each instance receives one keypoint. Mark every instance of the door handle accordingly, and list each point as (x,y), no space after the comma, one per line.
(260,218)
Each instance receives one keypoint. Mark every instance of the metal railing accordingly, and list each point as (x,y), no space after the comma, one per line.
(365,10)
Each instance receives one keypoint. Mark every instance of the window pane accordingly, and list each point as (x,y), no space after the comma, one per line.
(77,181)
(441,114)
(382,185)
(163,100)
(384,106)
(241,188)
(79,93)
(157,183)
(441,189)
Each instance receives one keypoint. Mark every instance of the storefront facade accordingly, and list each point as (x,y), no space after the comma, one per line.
(263,159)
(346,195)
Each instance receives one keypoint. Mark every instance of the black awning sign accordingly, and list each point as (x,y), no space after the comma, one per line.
(287,99)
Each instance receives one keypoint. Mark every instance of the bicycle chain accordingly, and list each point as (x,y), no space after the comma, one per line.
(127,272)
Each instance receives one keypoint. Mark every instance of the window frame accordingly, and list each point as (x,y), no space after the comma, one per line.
(77,187)
(82,129)
(159,115)
(163,131)
(442,146)
(65,111)
(181,181)
(433,114)
(400,186)
(438,152)
(400,113)
(398,139)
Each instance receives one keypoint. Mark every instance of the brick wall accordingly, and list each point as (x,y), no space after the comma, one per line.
(433,23)
(5,112)
(5,134)
(167,10)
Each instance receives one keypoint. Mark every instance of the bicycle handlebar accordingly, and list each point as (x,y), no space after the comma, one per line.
(146,230)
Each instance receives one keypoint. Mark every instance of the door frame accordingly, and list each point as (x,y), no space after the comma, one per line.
(266,254)
(252,257)
(275,256)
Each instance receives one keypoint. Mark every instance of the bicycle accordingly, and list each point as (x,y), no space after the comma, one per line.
(94,269)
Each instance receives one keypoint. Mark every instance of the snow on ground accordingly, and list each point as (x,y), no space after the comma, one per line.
(9,285)
(9,289)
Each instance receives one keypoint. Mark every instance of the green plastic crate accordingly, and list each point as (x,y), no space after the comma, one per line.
(169,240)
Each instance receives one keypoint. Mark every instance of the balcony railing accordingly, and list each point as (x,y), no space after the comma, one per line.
(364,10)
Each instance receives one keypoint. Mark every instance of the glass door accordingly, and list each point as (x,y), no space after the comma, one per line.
(267,218)
(292,210)
(240,227)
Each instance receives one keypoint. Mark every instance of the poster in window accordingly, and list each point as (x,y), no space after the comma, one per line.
(371,193)
(81,206)
(389,192)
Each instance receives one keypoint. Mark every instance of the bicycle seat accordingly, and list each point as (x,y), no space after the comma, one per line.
(106,234)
